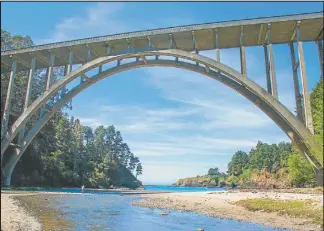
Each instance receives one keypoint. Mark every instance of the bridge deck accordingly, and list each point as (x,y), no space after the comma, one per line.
(282,30)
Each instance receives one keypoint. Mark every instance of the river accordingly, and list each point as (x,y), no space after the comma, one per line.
(101,210)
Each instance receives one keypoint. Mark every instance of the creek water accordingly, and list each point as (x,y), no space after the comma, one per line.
(113,212)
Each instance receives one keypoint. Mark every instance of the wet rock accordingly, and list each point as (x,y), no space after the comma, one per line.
(163,214)
(200,229)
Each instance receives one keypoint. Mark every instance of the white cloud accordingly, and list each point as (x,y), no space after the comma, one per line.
(168,172)
(100,19)
(209,119)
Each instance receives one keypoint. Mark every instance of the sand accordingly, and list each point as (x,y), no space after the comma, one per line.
(220,204)
(14,217)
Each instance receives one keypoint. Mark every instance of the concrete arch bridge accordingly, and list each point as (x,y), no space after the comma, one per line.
(164,47)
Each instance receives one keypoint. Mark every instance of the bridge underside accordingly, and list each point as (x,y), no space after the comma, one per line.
(136,55)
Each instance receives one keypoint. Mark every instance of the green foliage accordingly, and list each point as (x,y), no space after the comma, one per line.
(316,98)
(238,163)
(213,171)
(300,170)
(139,169)
(65,153)
(213,178)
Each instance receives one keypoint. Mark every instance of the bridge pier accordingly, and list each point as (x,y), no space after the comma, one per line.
(319,176)
(270,68)
(7,107)
(10,166)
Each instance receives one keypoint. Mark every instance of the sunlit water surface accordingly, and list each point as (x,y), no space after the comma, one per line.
(107,211)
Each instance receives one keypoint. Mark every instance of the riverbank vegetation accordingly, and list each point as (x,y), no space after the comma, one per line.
(282,165)
(270,165)
(305,209)
(65,152)
(213,178)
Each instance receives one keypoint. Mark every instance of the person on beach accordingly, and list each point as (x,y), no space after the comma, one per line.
(82,188)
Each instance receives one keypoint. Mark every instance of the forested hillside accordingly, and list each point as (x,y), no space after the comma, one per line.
(213,178)
(66,153)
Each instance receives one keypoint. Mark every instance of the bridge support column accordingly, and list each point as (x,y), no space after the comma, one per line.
(217,47)
(7,107)
(10,166)
(49,75)
(27,97)
(307,106)
(267,66)
(68,69)
(296,83)
(242,54)
(50,72)
(319,176)
(320,55)
(270,65)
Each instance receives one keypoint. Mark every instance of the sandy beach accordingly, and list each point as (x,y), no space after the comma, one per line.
(221,204)
(29,211)
(14,217)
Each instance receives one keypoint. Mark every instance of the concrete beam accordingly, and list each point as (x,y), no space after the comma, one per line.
(21,61)
(108,52)
(320,33)
(296,83)
(130,45)
(271,64)
(93,51)
(207,68)
(242,54)
(293,35)
(307,106)
(84,77)
(296,65)
(194,42)
(89,57)
(7,107)
(59,57)
(267,68)
(217,46)
(260,34)
(172,42)
(144,59)
(29,83)
(76,54)
(150,44)
(41,58)
(50,71)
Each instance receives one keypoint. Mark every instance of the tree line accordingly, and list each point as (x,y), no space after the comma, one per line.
(64,152)
(279,165)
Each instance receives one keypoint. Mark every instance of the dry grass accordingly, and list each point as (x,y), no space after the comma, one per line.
(307,209)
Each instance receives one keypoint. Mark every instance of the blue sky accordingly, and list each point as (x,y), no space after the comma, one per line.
(179,123)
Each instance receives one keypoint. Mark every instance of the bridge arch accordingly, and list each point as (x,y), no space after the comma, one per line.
(289,123)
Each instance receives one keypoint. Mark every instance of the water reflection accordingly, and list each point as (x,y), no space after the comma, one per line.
(116,213)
